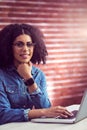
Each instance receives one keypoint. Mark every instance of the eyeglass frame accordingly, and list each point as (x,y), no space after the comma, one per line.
(21,44)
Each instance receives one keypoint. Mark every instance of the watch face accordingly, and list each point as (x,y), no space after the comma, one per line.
(29,82)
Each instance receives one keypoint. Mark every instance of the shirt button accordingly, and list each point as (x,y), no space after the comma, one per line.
(24,106)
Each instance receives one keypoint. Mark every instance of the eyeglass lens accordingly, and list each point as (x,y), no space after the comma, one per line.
(21,44)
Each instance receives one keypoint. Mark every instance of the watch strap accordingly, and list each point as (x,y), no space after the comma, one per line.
(29,82)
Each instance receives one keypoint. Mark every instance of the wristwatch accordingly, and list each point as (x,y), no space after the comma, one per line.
(29,82)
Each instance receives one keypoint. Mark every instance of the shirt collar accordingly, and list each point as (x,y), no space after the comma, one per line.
(13,68)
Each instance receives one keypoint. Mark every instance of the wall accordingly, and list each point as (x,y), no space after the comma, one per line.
(64,24)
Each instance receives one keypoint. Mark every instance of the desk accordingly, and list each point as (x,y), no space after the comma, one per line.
(82,125)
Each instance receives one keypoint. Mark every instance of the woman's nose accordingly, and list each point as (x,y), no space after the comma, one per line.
(25,47)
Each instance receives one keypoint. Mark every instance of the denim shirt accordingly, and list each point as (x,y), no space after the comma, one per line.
(15,99)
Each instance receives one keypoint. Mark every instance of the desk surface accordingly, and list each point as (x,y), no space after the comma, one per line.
(82,125)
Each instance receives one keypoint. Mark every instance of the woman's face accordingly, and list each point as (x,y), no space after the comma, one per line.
(22,49)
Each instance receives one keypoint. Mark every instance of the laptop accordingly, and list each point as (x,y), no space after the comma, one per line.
(81,113)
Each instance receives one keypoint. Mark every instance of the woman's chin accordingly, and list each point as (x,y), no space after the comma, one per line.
(24,61)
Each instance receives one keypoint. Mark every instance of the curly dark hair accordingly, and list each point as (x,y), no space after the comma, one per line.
(8,35)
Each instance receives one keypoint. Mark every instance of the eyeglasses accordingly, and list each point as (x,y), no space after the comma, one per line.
(21,44)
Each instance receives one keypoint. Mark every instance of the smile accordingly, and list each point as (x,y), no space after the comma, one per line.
(25,56)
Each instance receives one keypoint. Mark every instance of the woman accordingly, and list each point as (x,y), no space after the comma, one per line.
(23,93)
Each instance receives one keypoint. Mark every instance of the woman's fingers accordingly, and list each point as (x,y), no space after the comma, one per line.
(64,112)
(58,111)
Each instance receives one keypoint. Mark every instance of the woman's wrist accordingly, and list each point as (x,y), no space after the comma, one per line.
(29,82)
(37,113)
(31,85)
(26,77)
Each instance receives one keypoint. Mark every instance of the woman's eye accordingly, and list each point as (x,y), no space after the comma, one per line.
(19,44)
(30,44)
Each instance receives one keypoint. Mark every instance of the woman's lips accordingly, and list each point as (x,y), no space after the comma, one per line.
(25,56)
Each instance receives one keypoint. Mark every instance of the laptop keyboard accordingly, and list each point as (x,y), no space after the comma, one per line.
(71,117)
(74,114)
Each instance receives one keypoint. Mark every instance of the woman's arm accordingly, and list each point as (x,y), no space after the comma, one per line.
(7,113)
(37,90)
(56,111)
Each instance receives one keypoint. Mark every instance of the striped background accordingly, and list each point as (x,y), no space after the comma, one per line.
(64,24)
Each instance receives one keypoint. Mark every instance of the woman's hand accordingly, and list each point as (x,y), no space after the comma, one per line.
(57,111)
(24,70)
